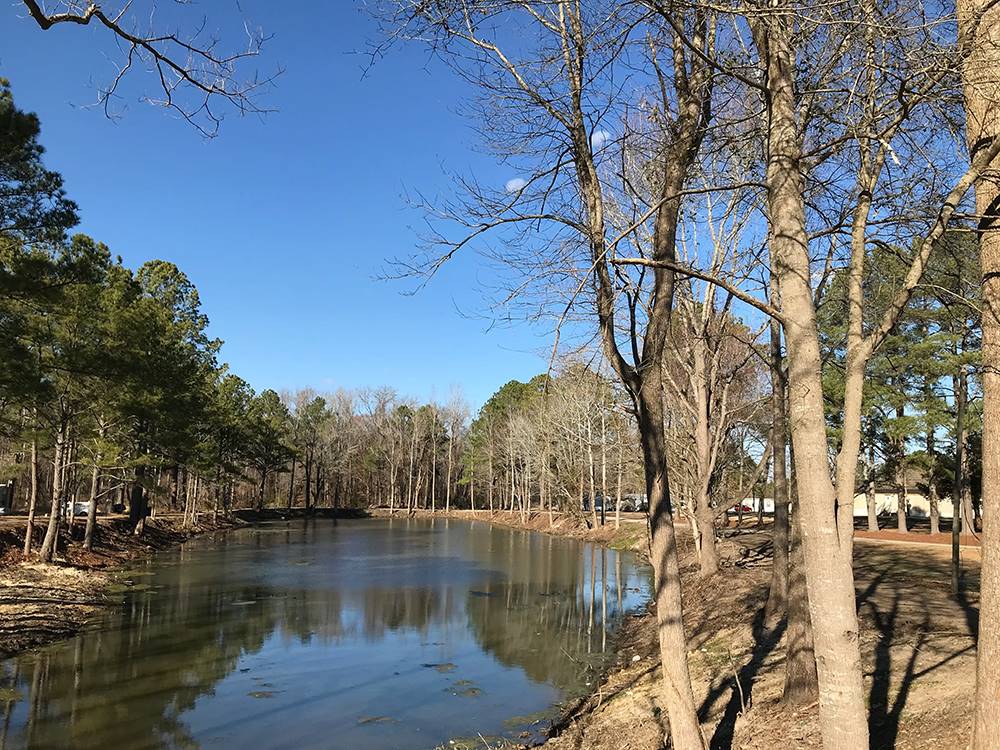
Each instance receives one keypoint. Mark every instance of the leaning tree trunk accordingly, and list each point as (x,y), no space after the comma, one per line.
(979,31)
(88,534)
(826,546)
(678,696)
(51,540)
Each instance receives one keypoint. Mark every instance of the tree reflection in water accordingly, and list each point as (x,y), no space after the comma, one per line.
(377,633)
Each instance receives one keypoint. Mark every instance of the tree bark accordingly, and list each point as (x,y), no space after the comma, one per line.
(51,541)
(29,530)
(777,597)
(826,546)
(979,35)
(800,657)
(678,695)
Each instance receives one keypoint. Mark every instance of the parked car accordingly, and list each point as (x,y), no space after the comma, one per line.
(80,507)
(634,503)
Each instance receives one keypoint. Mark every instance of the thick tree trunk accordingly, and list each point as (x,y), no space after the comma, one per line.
(678,697)
(137,501)
(979,32)
(800,657)
(826,545)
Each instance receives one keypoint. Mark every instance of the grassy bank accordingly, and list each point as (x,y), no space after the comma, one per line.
(631,534)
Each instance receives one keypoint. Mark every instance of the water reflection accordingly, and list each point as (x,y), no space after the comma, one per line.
(375,634)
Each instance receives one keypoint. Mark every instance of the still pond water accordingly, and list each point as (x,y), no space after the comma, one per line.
(376,634)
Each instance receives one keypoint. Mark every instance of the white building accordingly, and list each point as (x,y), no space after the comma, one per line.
(918,506)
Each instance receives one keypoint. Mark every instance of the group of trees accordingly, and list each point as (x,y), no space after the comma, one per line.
(112,392)
(808,163)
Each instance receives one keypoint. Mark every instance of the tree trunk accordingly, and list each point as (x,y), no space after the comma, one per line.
(958,489)
(826,546)
(447,489)
(777,597)
(870,499)
(291,484)
(88,534)
(979,32)
(935,511)
(29,530)
(901,495)
(678,697)
(618,487)
(800,656)
(51,541)
(261,491)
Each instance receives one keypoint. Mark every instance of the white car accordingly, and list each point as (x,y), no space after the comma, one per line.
(80,507)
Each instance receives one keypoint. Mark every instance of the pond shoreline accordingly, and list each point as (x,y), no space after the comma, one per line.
(45,603)
(41,603)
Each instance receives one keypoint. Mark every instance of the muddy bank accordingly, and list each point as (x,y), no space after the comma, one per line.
(41,603)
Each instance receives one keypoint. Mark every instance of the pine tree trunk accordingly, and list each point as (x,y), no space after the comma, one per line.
(935,512)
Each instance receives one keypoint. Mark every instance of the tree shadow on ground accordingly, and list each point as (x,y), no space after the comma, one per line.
(741,686)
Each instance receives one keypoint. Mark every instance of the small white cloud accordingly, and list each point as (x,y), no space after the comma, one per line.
(512,186)
(599,139)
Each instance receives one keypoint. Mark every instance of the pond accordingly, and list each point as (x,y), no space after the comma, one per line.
(383,634)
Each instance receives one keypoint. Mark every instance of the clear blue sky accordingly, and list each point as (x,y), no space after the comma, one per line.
(283,223)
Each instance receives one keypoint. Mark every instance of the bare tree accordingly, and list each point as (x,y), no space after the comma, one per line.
(195,77)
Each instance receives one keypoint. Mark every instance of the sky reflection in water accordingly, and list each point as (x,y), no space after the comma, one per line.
(380,634)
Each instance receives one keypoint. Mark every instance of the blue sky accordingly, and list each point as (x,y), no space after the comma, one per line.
(284,223)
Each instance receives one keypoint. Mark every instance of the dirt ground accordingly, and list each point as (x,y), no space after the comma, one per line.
(41,603)
(917,641)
